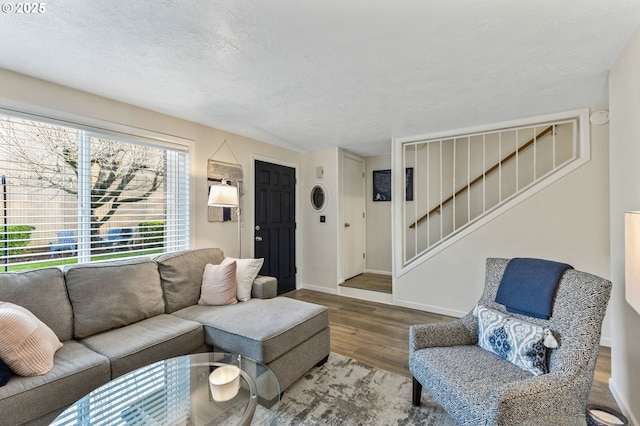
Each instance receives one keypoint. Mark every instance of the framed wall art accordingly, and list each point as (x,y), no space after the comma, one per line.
(382,185)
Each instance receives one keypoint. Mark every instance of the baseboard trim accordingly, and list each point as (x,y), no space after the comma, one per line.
(622,403)
(372,296)
(319,289)
(430,308)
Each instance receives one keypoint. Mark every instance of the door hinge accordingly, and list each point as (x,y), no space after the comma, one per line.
(363,215)
(295,269)
(364,256)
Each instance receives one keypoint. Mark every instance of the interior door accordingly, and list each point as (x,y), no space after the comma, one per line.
(353,199)
(275,225)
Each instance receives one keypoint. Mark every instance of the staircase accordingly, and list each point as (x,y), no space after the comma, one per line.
(458,182)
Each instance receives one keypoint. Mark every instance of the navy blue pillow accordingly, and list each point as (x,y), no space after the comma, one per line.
(5,373)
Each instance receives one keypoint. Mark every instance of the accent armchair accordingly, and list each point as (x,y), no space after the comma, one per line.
(477,387)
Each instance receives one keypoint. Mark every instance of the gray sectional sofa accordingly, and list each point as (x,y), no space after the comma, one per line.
(114,317)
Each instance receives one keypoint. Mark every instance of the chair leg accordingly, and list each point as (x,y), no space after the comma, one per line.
(322,361)
(417,392)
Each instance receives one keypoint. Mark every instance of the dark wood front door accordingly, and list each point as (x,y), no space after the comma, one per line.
(275,233)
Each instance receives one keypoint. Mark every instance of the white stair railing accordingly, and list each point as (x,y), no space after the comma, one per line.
(461,179)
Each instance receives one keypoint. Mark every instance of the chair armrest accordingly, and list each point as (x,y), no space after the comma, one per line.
(442,334)
(264,287)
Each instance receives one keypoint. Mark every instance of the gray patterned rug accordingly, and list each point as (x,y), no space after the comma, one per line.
(346,392)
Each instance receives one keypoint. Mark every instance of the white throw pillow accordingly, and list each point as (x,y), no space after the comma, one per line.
(246,272)
(27,345)
(218,285)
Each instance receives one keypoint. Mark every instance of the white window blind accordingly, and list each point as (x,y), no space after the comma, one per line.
(73,196)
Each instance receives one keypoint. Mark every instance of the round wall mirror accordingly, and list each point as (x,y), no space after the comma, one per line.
(318,197)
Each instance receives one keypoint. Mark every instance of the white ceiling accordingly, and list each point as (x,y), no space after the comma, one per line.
(310,74)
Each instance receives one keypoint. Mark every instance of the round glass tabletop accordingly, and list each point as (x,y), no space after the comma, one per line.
(177,391)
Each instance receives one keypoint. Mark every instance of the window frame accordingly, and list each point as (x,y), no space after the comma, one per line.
(99,128)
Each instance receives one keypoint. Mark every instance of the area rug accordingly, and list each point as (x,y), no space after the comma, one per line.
(347,392)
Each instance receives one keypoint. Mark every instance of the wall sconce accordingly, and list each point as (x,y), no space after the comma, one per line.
(632,259)
(224,195)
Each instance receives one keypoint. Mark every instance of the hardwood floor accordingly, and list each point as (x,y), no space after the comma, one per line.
(368,281)
(378,335)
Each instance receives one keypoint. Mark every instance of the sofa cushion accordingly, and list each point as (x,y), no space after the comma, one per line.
(147,341)
(51,305)
(27,345)
(107,295)
(260,329)
(218,285)
(181,275)
(515,340)
(77,371)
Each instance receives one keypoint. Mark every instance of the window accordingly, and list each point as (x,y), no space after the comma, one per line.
(70,195)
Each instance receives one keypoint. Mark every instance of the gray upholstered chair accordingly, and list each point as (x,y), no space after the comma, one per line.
(477,387)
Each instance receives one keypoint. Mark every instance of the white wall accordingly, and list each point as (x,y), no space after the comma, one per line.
(40,95)
(567,221)
(378,220)
(319,241)
(624,100)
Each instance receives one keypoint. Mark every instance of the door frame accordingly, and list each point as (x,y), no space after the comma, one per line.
(294,166)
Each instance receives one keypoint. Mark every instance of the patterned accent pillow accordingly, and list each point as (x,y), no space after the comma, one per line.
(517,341)
(5,373)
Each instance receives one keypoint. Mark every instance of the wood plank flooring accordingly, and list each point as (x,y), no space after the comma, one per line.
(368,281)
(378,335)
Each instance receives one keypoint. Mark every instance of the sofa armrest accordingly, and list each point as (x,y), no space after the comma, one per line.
(442,334)
(264,287)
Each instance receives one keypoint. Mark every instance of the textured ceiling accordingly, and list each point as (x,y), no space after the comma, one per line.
(308,74)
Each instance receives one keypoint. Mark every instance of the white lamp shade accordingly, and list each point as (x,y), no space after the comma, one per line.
(632,259)
(223,196)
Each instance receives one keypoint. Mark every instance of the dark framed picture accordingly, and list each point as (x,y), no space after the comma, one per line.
(382,185)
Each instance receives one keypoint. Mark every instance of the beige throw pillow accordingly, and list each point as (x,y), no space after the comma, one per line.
(27,345)
(218,285)
(246,272)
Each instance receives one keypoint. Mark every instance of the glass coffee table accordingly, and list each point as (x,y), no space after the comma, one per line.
(176,391)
